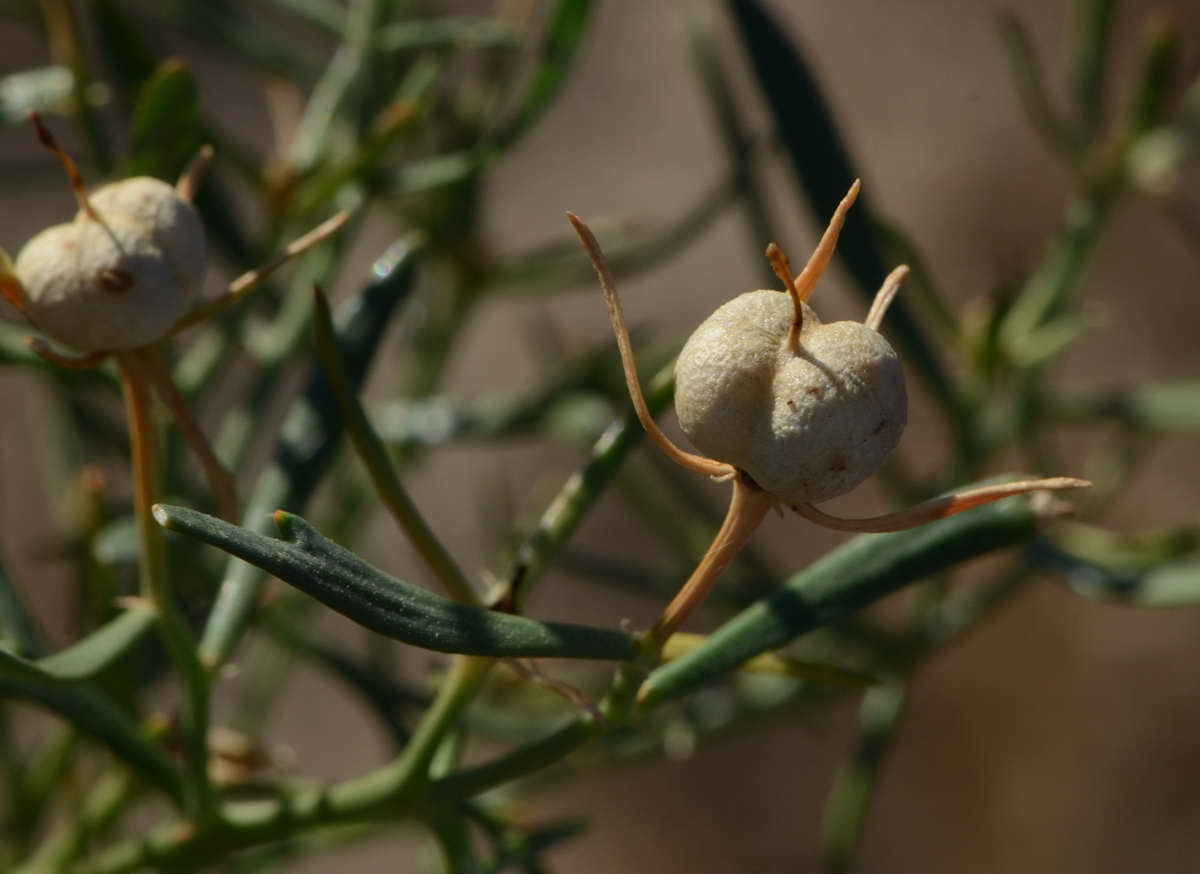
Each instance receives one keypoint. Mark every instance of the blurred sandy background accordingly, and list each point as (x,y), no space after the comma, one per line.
(1062,737)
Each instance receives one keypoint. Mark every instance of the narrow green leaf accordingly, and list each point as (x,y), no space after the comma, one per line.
(735,134)
(378,463)
(225,25)
(1096,19)
(824,169)
(92,713)
(1152,569)
(1171,585)
(326,14)
(1031,89)
(556,267)
(1164,406)
(312,433)
(331,113)
(879,716)
(856,574)
(166,123)
(450,31)
(581,491)
(19,633)
(560,45)
(95,652)
(344,582)
(126,52)
(388,699)
(1159,59)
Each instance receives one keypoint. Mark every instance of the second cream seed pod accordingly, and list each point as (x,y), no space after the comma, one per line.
(792,410)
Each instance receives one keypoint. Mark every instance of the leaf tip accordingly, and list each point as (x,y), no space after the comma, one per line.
(162,515)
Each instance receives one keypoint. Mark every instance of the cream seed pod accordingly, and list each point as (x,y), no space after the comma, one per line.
(121,278)
(792,410)
(121,274)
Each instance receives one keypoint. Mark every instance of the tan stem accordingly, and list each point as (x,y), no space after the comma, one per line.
(807,280)
(693,462)
(47,139)
(193,174)
(299,246)
(885,296)
(220,481)
(938,508)
(250,280)
(747,508)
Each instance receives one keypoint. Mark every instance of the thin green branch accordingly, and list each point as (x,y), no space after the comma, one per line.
(379,467)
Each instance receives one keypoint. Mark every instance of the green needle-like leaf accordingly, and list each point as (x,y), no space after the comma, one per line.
(93,713)
(344,582)
(312,433)
(166,123)
(1031,89)
(862,571)
(824,169)
(126,51)
(1092,51)
(559,48)
(849,804)
(1164,406)
(19,632)
(375,458)
(91,655)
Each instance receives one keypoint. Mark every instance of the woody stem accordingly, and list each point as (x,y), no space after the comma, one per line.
(747,508)
(156,587)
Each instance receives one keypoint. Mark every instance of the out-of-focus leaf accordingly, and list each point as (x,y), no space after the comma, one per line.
(332,112)
(344,582)
(560,45)
(630,250)
(858,573)
(451,31)
(375,458)
(1091,62)
(312,433)
(166,123)
(1173,584)
(90,656)
(436,172)
(324,13)
(225,25)
(396,117)
(1145,569)
(92,713)
(1031,89)
(1166,406)
(19,633)
(681,644)
(581,491)
(126,51)
(735,133)
(386,698)
(42,89)
(846,811)
(824,170)
(1159,60)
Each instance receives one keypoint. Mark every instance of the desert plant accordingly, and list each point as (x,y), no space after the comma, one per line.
(399,117)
